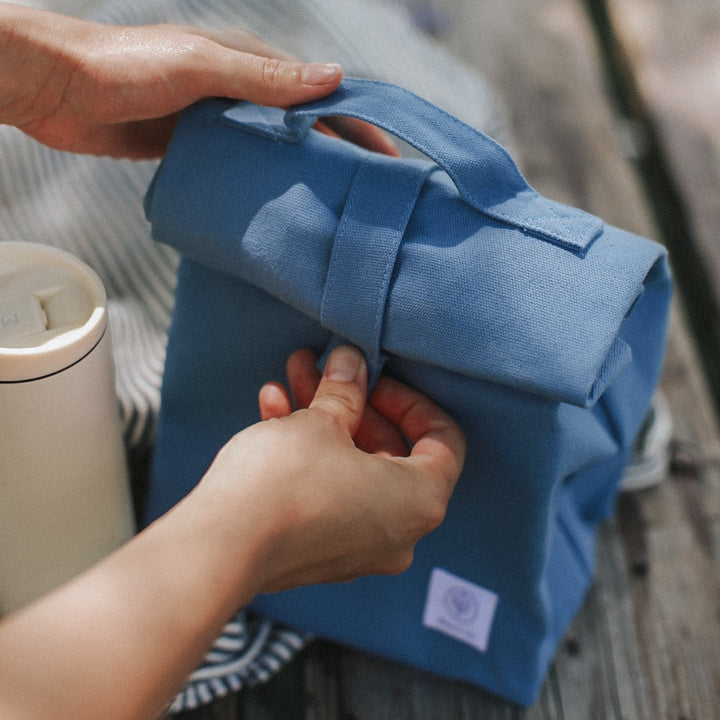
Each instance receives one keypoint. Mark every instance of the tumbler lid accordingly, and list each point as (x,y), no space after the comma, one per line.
(52,310)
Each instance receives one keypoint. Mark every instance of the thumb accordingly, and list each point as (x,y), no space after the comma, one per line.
(343,388)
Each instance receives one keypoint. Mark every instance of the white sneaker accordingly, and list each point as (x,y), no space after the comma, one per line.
(651,458)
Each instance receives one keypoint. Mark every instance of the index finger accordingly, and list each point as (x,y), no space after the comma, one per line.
(437,440)
(361,133)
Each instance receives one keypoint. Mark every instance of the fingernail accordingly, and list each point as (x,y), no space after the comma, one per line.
(320,73)
(344,364)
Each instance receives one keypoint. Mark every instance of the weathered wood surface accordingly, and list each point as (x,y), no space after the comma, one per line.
(667,54)
(673,52)
(646,644)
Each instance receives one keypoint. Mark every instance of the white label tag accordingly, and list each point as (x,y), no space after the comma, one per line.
(459,608)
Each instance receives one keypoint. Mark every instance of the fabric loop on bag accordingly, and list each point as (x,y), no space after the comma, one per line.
(366,245)
(484,173)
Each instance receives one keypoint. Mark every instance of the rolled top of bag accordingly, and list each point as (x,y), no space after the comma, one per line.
(455,261)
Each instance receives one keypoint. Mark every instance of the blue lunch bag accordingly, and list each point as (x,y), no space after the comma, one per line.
(540,329)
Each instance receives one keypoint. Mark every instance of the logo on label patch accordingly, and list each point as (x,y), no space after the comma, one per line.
(459,608)
(461,605)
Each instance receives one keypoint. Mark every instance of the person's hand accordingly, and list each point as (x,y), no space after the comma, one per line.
(375,433)
(289,501)
(334,512)
(113,90)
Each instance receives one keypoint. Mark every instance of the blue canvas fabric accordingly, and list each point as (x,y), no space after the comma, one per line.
(538,327)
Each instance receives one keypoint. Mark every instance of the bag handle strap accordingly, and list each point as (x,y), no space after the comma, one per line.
(485,175)
(367,242)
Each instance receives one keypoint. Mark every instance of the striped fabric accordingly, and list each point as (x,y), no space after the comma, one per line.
(250,650)
(92,208)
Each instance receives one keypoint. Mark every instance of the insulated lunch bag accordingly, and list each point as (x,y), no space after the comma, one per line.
(540,329)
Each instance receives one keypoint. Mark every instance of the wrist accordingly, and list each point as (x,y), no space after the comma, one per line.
(10,64)
(229,540)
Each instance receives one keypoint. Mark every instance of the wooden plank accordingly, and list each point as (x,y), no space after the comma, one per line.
(667,56)
(673,49)
(343,683)
(676,605)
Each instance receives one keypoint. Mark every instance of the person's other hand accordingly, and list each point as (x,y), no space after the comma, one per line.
(375,432)
(331,511)
(287,502)
(114,90)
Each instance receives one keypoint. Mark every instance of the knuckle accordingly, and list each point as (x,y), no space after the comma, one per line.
(433,515)
(401,562)
(202,47)
(436,514)
(342,403)
(326,423)
(271,71)
(346,398)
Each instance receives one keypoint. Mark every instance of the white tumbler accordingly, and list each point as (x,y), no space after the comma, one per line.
(65,498)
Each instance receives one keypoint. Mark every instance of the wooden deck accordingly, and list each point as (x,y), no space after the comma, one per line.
(638,146)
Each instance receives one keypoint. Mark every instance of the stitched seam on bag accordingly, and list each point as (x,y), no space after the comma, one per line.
(542,232)
(378,310)
(392,260)
(331,276)
(334,279)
